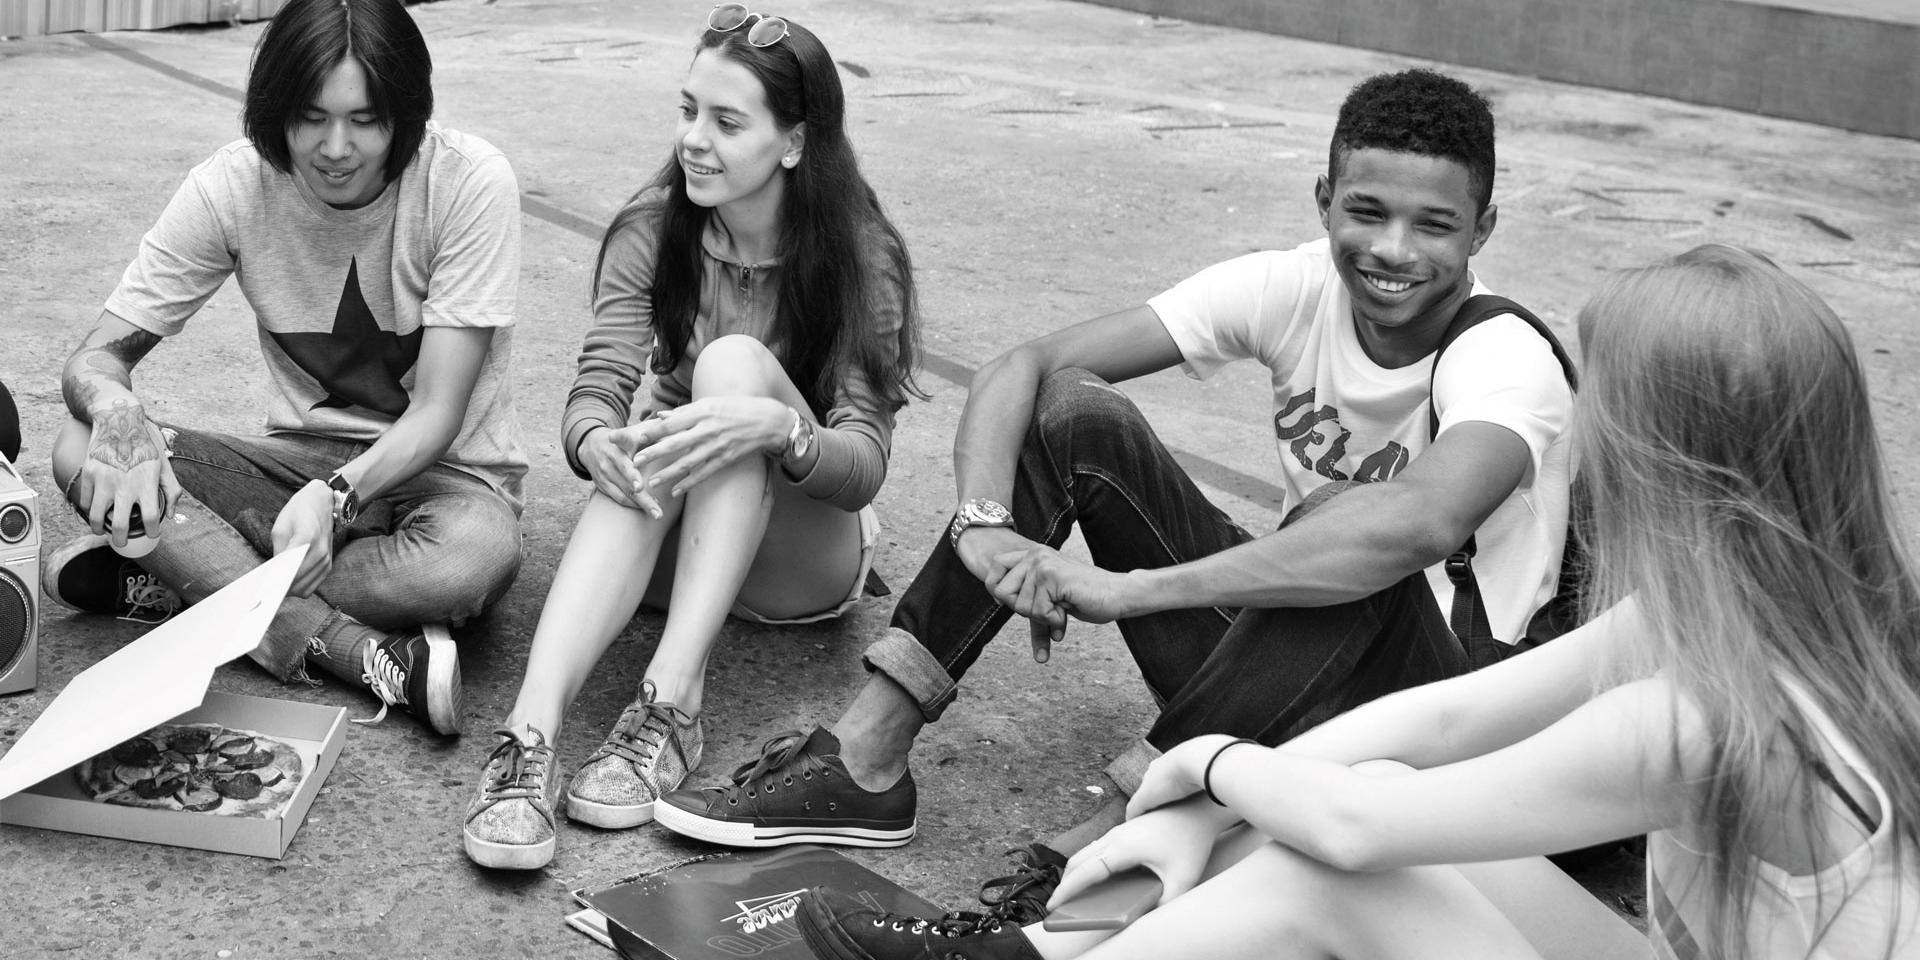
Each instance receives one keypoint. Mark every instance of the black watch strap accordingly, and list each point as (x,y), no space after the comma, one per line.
(346,500)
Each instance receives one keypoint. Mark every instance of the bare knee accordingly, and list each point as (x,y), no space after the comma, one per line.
(736,365)
(1293,890)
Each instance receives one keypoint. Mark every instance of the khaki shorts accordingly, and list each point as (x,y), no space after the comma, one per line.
(869,538)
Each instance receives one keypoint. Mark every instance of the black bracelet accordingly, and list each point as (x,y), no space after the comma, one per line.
(1206,776)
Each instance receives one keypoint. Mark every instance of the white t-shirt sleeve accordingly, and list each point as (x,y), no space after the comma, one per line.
(182,261)
(476,264)
(1503,372)
(1234,310)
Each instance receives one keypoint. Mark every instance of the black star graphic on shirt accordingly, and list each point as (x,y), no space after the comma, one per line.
(357,362)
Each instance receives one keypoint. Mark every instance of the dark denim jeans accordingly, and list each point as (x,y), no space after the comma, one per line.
(440,547)
(1265,673)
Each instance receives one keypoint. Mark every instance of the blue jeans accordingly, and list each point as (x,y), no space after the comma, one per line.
(440,547)
(1266,673)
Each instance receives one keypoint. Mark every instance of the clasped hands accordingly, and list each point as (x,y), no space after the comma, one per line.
(675,450)
(1041,584)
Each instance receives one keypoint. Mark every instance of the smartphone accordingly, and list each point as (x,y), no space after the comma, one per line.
(1108,905)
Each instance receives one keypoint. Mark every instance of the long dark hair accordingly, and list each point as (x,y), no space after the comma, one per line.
(303,44)
(830,220)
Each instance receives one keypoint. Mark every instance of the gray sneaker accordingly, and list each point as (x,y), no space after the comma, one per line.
(510,824)
(650,752)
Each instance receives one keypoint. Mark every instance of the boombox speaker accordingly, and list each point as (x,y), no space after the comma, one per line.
(19,581)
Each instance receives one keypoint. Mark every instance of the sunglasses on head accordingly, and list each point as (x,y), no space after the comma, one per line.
(765,32)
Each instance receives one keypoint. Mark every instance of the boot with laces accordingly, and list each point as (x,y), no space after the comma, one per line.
(509,823)
(84,574)
(838,926)
(649,753)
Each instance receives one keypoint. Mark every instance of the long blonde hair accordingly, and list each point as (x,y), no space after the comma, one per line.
(1739,496)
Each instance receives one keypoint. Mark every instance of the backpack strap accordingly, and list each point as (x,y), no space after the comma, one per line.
(1469,616)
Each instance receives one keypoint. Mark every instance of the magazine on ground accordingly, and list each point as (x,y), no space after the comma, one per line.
(734,904)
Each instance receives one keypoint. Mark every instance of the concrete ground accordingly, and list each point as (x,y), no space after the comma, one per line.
(1048,161)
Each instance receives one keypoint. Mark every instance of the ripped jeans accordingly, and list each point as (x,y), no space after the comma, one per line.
(440,547)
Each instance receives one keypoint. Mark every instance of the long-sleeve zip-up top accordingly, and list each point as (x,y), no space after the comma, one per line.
(856,434)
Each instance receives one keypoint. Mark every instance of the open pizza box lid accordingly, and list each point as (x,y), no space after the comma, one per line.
(160,678)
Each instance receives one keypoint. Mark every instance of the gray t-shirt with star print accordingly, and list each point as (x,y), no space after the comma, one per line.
(341,296)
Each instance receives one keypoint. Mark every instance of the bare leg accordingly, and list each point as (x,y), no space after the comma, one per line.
(876,732)
(725,519)
(746,536)
(1273,902)
(595,590)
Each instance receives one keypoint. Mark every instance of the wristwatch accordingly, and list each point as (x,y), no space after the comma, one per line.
(346,501)
(978,512)
(799,439)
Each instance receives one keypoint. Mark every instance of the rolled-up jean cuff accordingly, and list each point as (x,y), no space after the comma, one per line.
(906,662)
(1129,768)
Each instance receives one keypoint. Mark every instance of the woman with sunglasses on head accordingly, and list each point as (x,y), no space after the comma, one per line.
(759,279)
(1750,700)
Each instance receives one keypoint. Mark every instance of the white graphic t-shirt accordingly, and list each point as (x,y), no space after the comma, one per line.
(1340,416)
(341,296)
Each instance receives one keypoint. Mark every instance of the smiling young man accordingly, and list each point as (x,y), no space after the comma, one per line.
(1256,636)
(380,255)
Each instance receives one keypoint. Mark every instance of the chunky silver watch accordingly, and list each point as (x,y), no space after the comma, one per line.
(978,512)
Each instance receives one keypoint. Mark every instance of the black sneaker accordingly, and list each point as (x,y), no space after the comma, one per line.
(419,671)
(1021,897)
(86,575)
(797,792)
(842,927)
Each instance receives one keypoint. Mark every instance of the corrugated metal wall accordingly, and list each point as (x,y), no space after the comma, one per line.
(31,18)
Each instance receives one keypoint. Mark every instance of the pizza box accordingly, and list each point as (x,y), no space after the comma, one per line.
(162,678)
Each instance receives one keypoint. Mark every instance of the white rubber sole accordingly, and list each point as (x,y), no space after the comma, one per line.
(729,833)
(443,681)
(58,559)
(509,856)
(607,816)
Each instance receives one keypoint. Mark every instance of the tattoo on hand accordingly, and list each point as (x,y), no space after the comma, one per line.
(121,438)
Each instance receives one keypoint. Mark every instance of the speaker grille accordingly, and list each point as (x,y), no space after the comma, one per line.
(16,619)
(16,522)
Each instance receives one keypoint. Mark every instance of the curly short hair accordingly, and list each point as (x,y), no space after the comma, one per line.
(303,44)
(1418,111)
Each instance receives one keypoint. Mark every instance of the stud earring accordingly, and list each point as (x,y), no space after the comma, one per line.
(788,161)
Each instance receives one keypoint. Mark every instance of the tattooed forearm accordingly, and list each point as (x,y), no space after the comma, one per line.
(121,437)
(99,362)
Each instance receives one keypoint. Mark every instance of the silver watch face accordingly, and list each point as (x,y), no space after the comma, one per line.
(986,513)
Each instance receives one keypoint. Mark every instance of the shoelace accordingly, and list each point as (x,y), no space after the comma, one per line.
(957,923)
(642,728)
(783,755)
(522,771)
(1021,897)
(386,678)
(148,600)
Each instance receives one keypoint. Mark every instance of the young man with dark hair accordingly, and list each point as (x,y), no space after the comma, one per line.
(1255,636)
(381,256)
